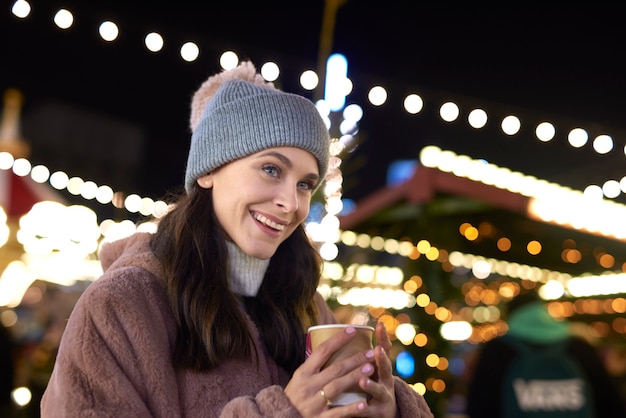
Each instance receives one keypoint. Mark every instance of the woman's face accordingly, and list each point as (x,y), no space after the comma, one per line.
(260,199)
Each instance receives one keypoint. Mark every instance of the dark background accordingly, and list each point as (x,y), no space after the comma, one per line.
(117,114)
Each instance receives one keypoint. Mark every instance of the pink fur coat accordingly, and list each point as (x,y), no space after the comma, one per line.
(115,356)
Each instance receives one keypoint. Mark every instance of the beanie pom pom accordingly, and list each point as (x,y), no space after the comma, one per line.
(244,71)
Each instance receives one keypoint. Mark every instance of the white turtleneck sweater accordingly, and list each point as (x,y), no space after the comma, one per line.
(245,273)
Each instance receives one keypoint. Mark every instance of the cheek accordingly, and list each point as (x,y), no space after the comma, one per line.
(222,204)
(303,209)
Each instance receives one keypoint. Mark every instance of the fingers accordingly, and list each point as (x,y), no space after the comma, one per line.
(349,365)
(347,382)
(310,386)
(383,366)
(382,337)
(313,394)
(355,409)
(383,378)
(381,389)
(371,371)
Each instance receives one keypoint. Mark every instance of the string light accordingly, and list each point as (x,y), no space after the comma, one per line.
(549,202)
(377,95)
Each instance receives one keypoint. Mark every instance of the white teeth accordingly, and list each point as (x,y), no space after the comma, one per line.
(268,222)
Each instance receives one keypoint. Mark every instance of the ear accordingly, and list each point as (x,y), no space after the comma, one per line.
(206,181)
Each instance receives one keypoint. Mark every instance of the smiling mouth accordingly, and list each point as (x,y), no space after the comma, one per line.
(268,222)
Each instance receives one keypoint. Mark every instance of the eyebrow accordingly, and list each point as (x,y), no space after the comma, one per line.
(288,162)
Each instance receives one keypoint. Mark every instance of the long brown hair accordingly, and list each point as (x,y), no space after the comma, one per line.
(211,324)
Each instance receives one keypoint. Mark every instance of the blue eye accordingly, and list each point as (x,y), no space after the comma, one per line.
(307,185)
(272,170)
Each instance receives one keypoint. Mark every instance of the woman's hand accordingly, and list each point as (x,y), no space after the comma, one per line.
(383,397)
(310,388)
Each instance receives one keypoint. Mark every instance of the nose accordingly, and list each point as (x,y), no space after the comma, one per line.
(287,198)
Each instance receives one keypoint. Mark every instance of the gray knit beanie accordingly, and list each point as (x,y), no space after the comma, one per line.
(243,117)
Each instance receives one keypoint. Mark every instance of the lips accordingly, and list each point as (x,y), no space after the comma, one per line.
(268,222)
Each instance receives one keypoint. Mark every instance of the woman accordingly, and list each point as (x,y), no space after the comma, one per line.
(207,317)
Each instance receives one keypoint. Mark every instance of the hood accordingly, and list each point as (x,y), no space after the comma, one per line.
(534,324)
(133,251)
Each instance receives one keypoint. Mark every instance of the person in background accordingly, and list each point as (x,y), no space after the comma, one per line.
(207,317)
(7,371)
(614,355)
(529,320)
